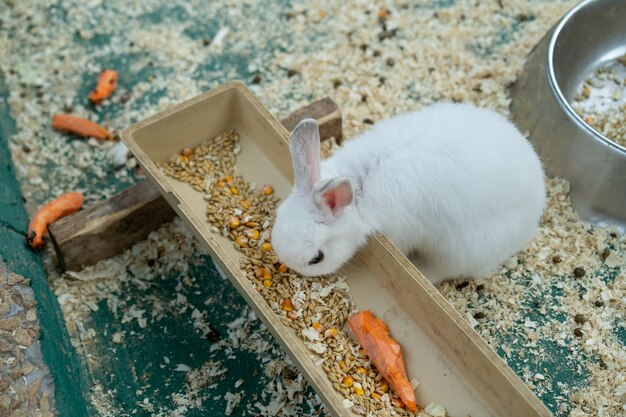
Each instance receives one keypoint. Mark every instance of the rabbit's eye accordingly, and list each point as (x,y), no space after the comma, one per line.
(318,258)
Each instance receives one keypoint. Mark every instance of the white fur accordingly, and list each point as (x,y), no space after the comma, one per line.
(457,187)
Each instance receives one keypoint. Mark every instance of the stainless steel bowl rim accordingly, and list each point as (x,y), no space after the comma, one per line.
(555,85)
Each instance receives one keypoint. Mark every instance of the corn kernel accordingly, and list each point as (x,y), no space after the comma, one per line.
(330,333)
(361,370)
(220,184)
(318,326)
(259,272)
(287,305)
(382,13)
(184,158)
(342,365)
(267,190)
(282,268)
(358,388)
(266,246)
(292,315)
(234,222)
(375,395)
(252,234)
(397,402)
(242,241)
(384,387)
(234,191)
(229,179)
(186,152)
(267,283)
(245,204)
(347,381)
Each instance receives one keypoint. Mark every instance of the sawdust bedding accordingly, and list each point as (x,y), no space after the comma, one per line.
(560,303)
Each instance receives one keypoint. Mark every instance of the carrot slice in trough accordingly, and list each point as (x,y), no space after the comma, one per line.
(79,126)
(373,335)
(53,210)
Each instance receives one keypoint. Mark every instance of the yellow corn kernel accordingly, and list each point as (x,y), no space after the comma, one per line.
(342,365)
(266,246)
(252,224)
(259,272)
(267,190)
(282,268)
(252,234)
(245,204)
(229,179)
(318,326)
(384,387)
(361,370)
(347,381)
(220,183)
(397,402)
(292,315)
(375,395)
(234,191)
(234,222)
(186,152)
(267,274)
(330,333)
(358,388)
(287,305)
(241,241)
(184,158)
(267,283)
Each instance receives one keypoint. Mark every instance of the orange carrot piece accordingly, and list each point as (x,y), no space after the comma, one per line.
(107,83)
(79,126)
(53,210)
(373,335)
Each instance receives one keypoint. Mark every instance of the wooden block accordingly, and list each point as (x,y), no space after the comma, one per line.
(115,224)
(327,114)
(109,227)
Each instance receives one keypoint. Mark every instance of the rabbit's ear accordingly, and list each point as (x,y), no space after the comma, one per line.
(333,196)
(305,154)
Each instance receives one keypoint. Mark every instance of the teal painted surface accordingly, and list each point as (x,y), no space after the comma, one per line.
(65,367)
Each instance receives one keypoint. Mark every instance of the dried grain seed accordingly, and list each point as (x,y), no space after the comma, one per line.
(268,190)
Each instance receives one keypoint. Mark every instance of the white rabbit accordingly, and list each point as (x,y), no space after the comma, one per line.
(456,187)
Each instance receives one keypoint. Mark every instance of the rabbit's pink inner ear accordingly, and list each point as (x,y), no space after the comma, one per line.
(337,195)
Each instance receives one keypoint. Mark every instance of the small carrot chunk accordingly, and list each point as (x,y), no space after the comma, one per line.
(79,126)
(373,335)
(47,214)
(107,83)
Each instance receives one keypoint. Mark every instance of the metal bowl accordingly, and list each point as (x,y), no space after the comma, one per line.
(588,36)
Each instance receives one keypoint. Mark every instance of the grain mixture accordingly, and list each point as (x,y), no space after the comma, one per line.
(317,308)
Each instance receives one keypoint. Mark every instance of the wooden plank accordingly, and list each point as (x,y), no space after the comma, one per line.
(327,114)
(109,227)
(114,225)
